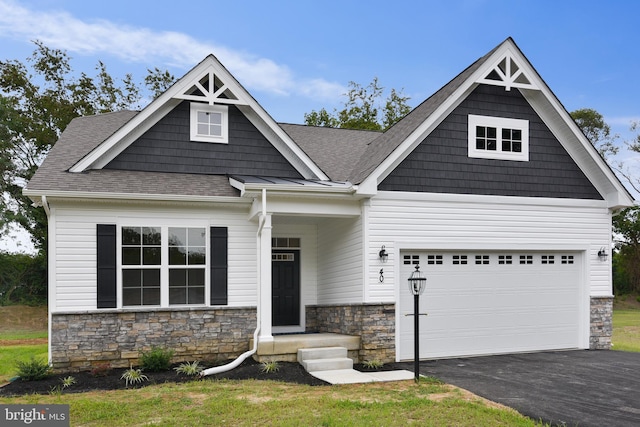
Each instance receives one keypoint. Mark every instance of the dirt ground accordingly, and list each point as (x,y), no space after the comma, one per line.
(626,302)
(15,318)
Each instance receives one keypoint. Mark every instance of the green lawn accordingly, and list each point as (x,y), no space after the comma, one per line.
(271,403)
(626,330)
(12,353)
(252,402)
(21,335)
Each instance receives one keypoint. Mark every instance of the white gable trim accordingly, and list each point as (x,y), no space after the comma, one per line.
(561,124)
(162,105)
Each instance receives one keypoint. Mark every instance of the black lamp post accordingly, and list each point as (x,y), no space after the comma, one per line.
(417,284)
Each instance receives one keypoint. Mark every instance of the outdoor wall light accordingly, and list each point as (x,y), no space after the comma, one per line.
(383,254)
(602,254)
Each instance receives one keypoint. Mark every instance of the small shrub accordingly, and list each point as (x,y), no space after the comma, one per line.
(372,364)
(638,298)
(157,359)
(133,376)
(189,369)
(270,367)
(101,369)
(64,383)
(33,370)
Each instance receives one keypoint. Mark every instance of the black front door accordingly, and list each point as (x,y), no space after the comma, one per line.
(285,282)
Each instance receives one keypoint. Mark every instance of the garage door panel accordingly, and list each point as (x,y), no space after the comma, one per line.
(495,306)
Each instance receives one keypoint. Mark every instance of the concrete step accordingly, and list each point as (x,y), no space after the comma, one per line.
(321,353)
(329,364)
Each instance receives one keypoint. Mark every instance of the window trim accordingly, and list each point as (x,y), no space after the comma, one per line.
(164,262)
(499,123)
(197,107)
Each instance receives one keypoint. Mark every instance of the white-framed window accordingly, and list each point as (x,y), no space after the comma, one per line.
(163,266)
(411,259)
(459,260)
(434,259)
(209,123)
(482,259)
(498,138)
(187,260)
(141,266)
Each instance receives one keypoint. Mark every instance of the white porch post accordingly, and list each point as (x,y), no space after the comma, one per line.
(264,295)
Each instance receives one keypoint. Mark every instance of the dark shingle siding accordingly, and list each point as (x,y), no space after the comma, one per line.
(166,147)
(440,164)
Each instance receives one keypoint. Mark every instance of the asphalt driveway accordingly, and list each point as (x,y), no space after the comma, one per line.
(568,388)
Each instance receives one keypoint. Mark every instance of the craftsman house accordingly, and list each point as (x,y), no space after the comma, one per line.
(199,220)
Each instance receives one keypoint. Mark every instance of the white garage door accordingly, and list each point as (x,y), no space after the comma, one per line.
(490,303)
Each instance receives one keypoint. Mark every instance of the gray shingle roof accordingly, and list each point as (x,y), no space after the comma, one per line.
(342,154)
(335,151)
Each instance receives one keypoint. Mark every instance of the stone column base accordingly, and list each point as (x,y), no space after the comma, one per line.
(601,323)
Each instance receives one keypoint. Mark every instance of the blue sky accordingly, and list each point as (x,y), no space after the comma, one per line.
(297,56)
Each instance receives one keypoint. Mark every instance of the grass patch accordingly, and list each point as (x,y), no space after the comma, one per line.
(248,403)
(626,330)
(21,335)
(9,355)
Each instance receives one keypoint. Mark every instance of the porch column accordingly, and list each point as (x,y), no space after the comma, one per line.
(264,291)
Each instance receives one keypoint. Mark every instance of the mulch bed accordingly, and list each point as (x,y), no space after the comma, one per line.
(290,372)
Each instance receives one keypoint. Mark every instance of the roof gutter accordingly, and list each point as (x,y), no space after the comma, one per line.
(34,194)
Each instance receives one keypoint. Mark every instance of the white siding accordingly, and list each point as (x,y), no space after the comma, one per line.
(74,226)
(403,221)
(340,261)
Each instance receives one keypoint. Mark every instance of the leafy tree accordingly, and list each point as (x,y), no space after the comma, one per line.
(23,279)
(363,109)
(597,131)
(626,225)
(38,99)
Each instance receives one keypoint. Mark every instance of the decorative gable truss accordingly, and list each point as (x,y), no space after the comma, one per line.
(211,89)
(507,73)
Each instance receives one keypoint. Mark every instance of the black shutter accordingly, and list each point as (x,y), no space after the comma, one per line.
(106,255)
(219,237)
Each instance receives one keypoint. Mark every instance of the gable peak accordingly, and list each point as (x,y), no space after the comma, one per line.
(211,83)
(509,70)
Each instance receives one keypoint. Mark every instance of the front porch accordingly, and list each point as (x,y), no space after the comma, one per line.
(284,348)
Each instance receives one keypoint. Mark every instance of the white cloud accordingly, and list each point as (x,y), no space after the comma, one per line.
(143,45)
(621,121)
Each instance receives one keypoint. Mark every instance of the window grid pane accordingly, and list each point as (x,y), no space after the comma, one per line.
(209,123)
(142,257)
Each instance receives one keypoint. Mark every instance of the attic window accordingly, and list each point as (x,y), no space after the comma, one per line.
(209,123)
(498,138)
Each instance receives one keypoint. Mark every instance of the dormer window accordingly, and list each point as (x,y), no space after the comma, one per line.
(209,123)
(498,138)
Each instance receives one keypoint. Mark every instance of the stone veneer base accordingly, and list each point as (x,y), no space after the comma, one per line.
(374,323)
(80,341)
(601,323)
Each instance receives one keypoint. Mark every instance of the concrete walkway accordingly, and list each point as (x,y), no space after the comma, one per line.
(351,376)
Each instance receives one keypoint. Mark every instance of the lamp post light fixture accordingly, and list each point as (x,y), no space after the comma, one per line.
(417,284)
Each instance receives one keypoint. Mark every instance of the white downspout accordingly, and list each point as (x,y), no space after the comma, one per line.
(238,361)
